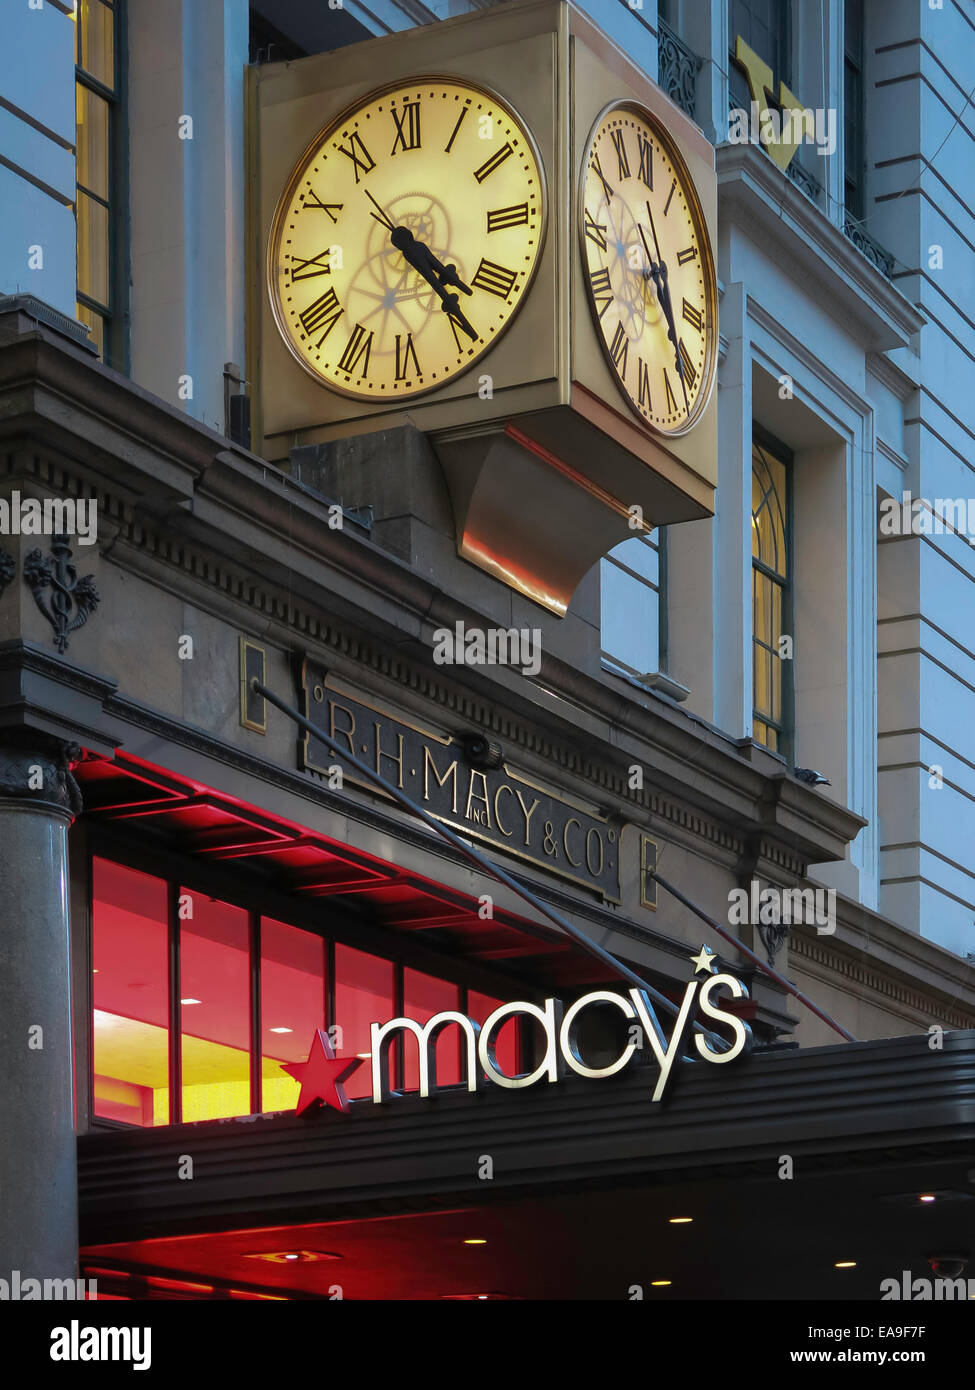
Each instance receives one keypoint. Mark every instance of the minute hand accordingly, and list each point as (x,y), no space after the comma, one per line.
(422,259)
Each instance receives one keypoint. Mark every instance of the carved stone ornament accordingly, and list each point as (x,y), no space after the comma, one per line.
(772,939)
(8,569)
(72,600)
(36,767)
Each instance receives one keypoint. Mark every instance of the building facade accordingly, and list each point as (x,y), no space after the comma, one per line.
(770,700)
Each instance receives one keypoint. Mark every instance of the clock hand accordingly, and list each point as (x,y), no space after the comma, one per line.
(659,275)
(422,259)
(383,217)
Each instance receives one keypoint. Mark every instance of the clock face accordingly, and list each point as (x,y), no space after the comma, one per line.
(648,267)
(407,238)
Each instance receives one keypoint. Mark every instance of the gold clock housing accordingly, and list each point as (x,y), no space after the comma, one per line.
(454,165)
(646,250)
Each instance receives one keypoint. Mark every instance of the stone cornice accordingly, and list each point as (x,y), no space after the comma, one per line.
(753,191)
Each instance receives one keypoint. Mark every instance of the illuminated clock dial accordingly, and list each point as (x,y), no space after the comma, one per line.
(407,238)
(648,268)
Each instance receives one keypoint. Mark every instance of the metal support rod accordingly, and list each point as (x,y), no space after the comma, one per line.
(768,970)
(481,862)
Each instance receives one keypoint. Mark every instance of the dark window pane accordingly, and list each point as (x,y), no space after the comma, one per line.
(130,990)
(506,1049)
(423,997)
(215,1006)
(363,996)
(292,1006)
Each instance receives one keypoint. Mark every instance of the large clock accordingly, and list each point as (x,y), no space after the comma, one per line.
(648,268)
(406,238)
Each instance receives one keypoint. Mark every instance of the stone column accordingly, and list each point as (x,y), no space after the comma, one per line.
(39,798)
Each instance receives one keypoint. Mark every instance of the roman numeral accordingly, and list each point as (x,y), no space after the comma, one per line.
(403,355)
(693,316)
(602,291)
(687,255)
(462,344)
(324,313)
(617,138)
(690,371)
(358,345)
(618,350)
(643,378)
(407,124)
(453,134)
(500,218)
(673,185)
(595,231)
(646,161)
(360,156)
(315,265)
(598,170)
(671,398)
(494,278)
(312,200)
(495,162)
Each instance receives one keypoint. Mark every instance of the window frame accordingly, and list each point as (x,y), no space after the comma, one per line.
(785,727)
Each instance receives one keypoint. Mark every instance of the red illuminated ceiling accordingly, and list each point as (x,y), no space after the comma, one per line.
(195,820)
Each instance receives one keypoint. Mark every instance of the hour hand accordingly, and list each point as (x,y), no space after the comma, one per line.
(451,306)
(449,276)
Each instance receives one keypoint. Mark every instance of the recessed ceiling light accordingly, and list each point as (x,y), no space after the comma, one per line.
(660,1283)
(475,1240)
(191,1001)
(680,1220)
(845,1264)
(927,1197)
(280,1030)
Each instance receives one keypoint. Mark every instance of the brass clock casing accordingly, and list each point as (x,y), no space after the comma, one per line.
(622,176)
(367,307)
(544,460)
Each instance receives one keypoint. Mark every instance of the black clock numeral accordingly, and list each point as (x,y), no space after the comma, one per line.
(617,138)
(460,121)
(359,345)
(324,313)
(690,371)
(643,378)
(494,278)
(407,124)
(403,355)
(671,398)
(646,161)
(673,186)
(693,316)
(311,200)
(618,350)
(686,255)
(500,218)
(602,291)
(357,152)
(462,344)
(608,188)
(595,231)
(495,162)
(315,265)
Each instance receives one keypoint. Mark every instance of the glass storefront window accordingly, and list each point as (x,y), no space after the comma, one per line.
(363,995)
(424,996)
(130,992)
(214,1007)
(506,1049)
(292,1006)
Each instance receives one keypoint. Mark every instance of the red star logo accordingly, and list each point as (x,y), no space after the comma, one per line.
(322,1075)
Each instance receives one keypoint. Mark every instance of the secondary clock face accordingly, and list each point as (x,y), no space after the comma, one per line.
(648,267)
(407,238)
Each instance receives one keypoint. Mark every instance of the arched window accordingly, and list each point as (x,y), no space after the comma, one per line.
(771,576)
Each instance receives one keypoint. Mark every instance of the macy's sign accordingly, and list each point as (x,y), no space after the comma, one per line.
(322,1075)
